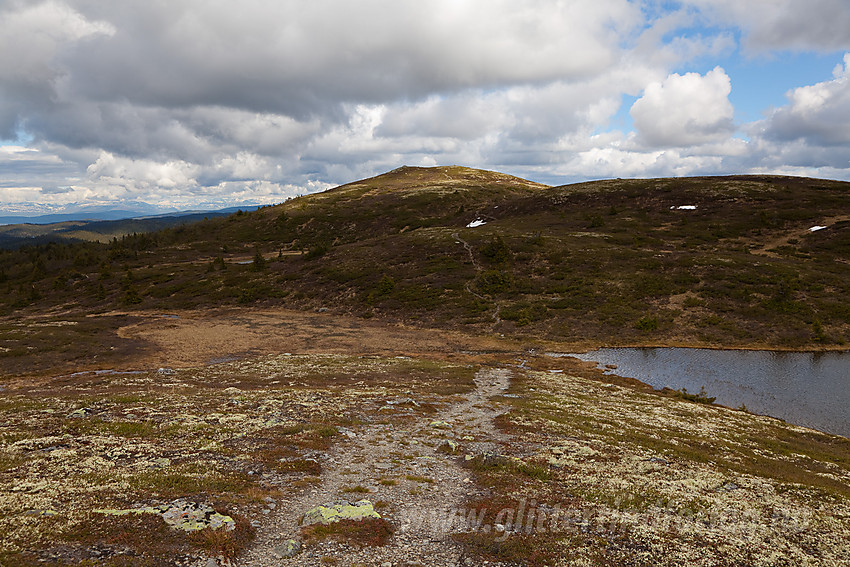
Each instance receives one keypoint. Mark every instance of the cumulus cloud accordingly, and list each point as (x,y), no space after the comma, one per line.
(818,114)
(685,110)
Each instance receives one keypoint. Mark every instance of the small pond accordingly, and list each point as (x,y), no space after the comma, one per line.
(806,388)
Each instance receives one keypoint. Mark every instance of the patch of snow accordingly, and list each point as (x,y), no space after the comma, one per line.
(816,228)
(476,223)
(684,207)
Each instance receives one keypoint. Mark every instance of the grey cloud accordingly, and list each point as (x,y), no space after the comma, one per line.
(784,24)
(299,58)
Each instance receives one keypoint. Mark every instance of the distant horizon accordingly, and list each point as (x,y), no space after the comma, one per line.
(111,215)
(121,211)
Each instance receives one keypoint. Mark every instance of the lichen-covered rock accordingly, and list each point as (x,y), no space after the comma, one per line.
(337,511)
(441,424)
(80,413)
(192,517)
(181,515)
(47,513)
(289,548)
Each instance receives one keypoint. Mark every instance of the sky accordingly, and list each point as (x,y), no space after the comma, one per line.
(199,104)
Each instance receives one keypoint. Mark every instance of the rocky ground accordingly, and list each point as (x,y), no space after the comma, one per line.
(411,471)
(447,451)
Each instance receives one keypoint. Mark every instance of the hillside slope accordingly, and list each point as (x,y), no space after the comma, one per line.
(701,261)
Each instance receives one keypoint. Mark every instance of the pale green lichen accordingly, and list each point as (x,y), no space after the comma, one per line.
(186,516)
(338,511)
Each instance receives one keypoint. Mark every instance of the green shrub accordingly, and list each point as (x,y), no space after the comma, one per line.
(259,263)
(647,323)
(701,398)
(385,286)
(317,251)
(496,250)
(132,297)
(494,281)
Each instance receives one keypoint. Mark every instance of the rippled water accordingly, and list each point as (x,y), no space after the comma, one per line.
(809,389)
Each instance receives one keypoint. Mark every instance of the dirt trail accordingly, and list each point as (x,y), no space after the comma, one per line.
(497,312)
(785,239)
(430,485)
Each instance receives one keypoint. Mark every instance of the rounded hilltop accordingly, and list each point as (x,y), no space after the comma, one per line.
(438,178)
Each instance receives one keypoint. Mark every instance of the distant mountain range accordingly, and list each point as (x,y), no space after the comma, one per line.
(107,215)
(102,226)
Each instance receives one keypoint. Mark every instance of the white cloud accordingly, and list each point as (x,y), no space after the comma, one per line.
(819,113)
(685,110)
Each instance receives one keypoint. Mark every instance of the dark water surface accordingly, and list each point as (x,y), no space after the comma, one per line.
(806,388)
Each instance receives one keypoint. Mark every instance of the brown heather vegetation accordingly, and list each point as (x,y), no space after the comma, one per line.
(611,262)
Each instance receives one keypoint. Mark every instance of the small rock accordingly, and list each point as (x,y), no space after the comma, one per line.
(347,432)
(492,459)
(403,401)
(386,564)
(43,513)
(211,562)
(289,548)
(440,424)
(499,528)
(80,413)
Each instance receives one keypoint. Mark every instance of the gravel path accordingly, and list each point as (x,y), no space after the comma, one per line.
(430,485)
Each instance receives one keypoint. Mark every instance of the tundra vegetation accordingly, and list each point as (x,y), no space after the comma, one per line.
(102,408)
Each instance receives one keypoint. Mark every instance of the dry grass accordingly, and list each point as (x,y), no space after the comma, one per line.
(367,532)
